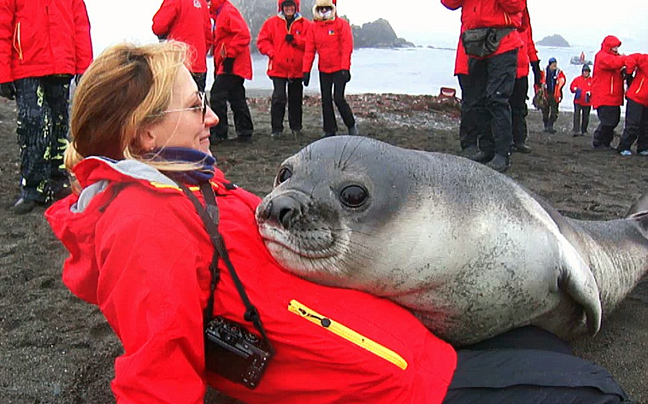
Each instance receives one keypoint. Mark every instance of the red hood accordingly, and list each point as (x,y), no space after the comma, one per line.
(610,42)
(297,5)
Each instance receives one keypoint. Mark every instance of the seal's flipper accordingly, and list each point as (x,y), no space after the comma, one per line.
(641,221)
(577,280)
(641,205)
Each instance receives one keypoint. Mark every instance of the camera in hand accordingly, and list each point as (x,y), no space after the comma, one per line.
(234,353)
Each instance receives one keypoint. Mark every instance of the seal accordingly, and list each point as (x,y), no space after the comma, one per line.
(468,250)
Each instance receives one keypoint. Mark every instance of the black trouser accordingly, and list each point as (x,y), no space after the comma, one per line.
(42,130)
(636,127)
(550,112)
(530,366)
(581,118)
(519,110)
(609,117)
(493,79)
(470,134)
(279,100)
(229,88)
(332,87)
(201,80)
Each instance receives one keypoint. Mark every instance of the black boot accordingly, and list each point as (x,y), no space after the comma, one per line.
(481,157)
(551,128)
(546,126)
(499,163)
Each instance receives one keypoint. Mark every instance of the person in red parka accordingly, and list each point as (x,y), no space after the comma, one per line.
(43,45)
(487,69)
(330,37)
(187,21)
(607,91)
(283,39)
(232,65)
(636,119)
(140,251)
(581,86)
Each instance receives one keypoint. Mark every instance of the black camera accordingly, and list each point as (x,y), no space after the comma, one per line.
(235,353)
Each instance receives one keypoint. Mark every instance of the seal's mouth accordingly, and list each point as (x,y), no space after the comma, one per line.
(309,245)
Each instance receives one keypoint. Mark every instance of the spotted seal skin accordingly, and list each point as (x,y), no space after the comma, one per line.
(468,250)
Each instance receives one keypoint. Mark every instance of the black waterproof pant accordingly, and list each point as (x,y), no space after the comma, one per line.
(581,118)
(42,131)
(332,87)
(229,88)
(519,110)
(609,117)
(491,81)
(201,80)
(472,135)
(279,101)
(530,366)
(636,127)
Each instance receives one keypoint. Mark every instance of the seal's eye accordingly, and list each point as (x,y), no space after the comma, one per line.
(283,176)
(353,196)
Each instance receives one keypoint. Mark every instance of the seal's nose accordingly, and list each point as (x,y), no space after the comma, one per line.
(282,210)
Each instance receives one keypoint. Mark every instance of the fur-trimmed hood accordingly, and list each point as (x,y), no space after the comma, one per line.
(317,16)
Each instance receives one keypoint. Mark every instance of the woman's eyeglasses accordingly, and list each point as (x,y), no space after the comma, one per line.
(203,107)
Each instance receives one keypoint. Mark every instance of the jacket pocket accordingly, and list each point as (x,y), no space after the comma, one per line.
(347,333)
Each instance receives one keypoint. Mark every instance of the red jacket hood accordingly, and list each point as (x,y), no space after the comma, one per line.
(610,42)
(297,5)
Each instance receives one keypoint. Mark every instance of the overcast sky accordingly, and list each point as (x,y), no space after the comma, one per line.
(424,22)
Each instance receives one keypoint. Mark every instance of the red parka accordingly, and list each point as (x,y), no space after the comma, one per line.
(284,59)
(637,63)
(231,39)
(584,84)
(186,21)
(488,13)
(140,252)
(607,80)
(332,40)
(528,53)
(43,37)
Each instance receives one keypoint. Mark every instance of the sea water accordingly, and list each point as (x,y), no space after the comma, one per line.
(416,71)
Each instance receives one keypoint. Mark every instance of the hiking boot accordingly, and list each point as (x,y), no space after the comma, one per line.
(625,153)
(23,206)
(550,128)
(297,133)
(499,163)
(353,131)
(481,157)
(521,148)
(276,133)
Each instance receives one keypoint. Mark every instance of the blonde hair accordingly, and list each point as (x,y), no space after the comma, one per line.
(123,91)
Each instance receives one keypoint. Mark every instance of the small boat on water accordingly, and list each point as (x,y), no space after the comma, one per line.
(580,60)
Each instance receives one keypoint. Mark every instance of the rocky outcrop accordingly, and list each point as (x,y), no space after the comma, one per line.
(377,34)
(554,40)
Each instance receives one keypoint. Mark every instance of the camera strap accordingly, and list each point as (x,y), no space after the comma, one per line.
(210,217)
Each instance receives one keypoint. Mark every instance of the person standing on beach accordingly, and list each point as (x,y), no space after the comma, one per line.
(283,39)
(607,91)
(636,119)
(187,21)
(486,65)
(232,65)
(582,89)
(331,38)
(43,45)
(554,82)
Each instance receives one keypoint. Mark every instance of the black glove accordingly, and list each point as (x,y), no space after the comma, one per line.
(537,73)
(628,78)
(228,65)
(346,75)
(306,78)
(290,38)
(8,90)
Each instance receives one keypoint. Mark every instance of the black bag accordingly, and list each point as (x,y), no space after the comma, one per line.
(482,42)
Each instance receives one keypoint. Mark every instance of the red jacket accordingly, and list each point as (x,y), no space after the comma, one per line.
(285,59)
(43,37)
(231,39)
(141,254)
(488,13)
(584,87)
(332,40)
(529,53)
(637,63)
(186,21)
(607,80)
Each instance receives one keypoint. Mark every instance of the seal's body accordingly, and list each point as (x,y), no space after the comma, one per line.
(468,250)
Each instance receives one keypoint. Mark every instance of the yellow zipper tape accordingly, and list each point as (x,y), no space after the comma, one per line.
(347,333)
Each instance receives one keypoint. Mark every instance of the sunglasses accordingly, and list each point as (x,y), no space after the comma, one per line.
(204,103)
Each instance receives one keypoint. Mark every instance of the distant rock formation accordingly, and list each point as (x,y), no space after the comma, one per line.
(554,40)
(377,34)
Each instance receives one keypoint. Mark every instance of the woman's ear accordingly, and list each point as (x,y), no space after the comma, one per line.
(145,139)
